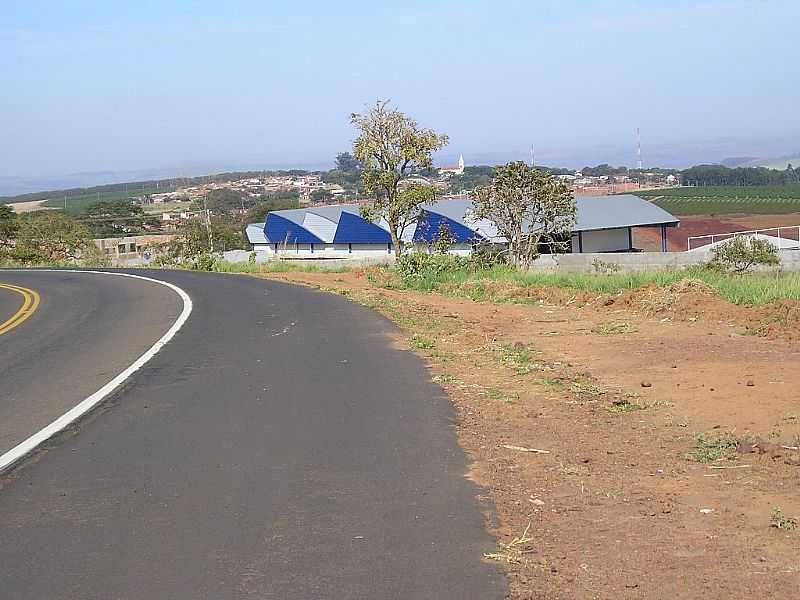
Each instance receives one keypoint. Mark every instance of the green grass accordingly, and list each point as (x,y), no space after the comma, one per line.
(421,343)
(711,449)
(718,200)
(517,356)
(496,394)
(77,203)
(277,266)
(747,289)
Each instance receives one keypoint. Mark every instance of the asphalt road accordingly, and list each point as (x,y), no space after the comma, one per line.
(277,447)
(86,329)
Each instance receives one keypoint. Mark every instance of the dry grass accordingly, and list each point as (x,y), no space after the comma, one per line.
(514,552)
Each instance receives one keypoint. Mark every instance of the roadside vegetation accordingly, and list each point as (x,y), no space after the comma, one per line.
(460,277)
(45,239)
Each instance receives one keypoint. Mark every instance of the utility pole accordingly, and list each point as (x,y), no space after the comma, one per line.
(208,223)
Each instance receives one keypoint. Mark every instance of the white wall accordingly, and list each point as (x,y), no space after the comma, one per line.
(606,240)
(325,250)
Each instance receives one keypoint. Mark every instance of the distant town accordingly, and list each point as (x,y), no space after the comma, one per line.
(342,185)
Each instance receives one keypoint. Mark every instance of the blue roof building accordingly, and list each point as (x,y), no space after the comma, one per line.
(603,224)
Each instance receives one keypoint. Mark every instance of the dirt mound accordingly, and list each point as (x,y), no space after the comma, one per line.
(686,298)
(509,291)
(780,319)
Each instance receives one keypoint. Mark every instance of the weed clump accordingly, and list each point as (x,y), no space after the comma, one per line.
(419,342)
(615,328)
(518,356)
(624,405)
(780,521)
(712,449)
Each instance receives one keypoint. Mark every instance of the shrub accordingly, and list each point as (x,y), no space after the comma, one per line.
(742,253)
(486,255)
(419,265)
(203,262)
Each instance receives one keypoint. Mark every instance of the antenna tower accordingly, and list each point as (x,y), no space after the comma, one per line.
(638,149)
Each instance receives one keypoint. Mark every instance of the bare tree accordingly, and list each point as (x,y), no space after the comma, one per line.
(391,146)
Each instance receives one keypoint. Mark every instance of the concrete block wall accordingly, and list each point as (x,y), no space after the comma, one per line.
(596,262)
(631,262)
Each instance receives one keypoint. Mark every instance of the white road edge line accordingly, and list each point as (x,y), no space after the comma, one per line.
(21,450)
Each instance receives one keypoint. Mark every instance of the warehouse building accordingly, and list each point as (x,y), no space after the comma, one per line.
(603,224)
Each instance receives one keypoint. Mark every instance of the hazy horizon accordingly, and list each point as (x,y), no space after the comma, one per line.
(102,89)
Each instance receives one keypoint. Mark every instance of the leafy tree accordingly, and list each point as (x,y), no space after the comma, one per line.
(192,245)
(347,163)
(741,253)
(115,217)
(444,239)
(224,201)
(391,146)
(49,236)
(8,225)
(321,195)
(707,175)
(471,178)
(529,208)
(292,195)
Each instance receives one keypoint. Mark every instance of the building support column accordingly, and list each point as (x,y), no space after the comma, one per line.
(663,238)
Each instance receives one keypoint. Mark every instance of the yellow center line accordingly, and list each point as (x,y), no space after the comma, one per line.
(29,305)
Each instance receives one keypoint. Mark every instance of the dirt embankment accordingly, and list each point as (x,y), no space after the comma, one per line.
(581,415)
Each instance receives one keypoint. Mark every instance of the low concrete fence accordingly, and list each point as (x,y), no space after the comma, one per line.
(632,262)
(589,262)
(243,256)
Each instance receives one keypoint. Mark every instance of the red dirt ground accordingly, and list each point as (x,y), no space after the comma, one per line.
(616,509)
(649,238)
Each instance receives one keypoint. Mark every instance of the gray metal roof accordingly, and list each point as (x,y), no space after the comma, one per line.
(612,212)
(334,212)
(255,233)
(593,213)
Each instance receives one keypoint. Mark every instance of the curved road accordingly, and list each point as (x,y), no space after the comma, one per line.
(277,447)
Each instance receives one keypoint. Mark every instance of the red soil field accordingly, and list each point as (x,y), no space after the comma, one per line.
(648,238)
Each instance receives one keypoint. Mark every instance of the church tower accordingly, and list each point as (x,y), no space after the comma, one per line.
(461,164)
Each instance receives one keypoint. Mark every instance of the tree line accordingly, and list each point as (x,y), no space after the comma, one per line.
(719,175)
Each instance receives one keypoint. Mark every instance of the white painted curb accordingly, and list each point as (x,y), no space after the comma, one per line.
(24,448)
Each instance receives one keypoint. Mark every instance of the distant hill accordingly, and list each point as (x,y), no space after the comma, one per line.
(778,163)
(737,161)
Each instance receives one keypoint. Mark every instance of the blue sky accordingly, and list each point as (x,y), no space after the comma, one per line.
(98,86)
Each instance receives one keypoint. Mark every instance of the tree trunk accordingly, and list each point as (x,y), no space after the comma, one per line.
(396,244)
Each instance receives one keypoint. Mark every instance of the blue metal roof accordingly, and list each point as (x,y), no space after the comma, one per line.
(280,230)
(593,213)
(357,230)
(430,224)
